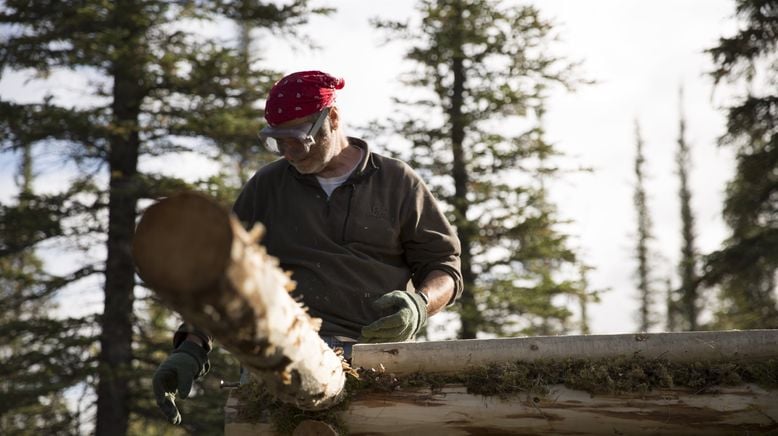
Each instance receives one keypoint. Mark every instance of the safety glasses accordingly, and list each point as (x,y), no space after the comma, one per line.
(278,139)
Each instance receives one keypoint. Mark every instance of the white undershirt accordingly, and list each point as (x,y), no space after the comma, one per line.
(329,184)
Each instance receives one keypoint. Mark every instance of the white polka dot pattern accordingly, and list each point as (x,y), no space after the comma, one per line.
(301,94)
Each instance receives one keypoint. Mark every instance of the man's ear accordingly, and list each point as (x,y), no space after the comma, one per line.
(334,117)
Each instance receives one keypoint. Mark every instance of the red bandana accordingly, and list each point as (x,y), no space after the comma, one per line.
(299,95)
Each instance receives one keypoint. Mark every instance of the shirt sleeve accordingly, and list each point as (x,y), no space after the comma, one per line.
(200,355)
(429,241)
(245,204)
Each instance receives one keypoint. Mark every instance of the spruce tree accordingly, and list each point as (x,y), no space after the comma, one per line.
(642,249)
(481,68)
(671,303)
(162,89)
(34,344)
(687,300)
(745,267)
(585,297)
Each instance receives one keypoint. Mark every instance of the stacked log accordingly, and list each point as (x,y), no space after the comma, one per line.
(450,393)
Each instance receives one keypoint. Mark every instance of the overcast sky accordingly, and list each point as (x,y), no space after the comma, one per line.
(639,52)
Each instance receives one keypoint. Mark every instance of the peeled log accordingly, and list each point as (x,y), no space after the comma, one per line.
(201,262)
(445,357)
(741,410)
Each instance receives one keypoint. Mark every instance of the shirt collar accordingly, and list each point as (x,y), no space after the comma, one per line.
(364,169)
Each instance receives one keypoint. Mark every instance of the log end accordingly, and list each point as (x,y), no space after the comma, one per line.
(182,244)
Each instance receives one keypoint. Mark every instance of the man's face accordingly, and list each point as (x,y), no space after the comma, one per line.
(317,157)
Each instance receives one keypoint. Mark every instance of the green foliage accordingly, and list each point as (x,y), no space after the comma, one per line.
(50,415)
(24,227)
(746,267)
(42,356)
(481,70)
(157,87)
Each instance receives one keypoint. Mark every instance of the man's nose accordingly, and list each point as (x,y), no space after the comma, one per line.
(289,151)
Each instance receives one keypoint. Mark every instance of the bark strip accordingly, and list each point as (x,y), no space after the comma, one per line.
(202,263)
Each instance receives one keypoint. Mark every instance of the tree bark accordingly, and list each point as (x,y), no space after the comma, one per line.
(203,264)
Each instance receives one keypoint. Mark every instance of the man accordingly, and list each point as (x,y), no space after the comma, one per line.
(356,229)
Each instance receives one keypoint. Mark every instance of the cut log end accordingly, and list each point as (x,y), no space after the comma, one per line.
(204,265)
(183,244)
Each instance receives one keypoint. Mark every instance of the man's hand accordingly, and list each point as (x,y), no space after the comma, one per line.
(408,317)
(175,376)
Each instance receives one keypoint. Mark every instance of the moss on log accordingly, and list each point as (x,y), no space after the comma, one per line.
(635,394)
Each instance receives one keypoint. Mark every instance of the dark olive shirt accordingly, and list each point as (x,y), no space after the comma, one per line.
(377,231)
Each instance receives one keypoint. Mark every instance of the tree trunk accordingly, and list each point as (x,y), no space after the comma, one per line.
(204,265)
(113,391)
(470,315)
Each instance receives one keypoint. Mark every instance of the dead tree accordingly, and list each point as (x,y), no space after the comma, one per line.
(200,261)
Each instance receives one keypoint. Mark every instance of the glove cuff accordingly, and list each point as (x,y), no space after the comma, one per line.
(198,353)
(188,329)
(421,308)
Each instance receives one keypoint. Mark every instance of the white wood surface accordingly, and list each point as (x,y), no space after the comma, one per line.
(454,356)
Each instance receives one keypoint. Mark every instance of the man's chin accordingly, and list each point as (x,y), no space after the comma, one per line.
(304,167)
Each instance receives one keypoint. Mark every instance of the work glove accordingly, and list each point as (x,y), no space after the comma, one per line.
(408,316)
(175,376)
